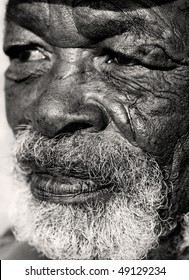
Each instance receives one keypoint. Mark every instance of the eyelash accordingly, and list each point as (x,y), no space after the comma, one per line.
(120,59)
(16,52)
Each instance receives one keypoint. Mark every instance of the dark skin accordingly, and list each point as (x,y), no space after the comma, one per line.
(119,66)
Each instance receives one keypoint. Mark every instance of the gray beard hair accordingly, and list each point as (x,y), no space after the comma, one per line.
(126,226)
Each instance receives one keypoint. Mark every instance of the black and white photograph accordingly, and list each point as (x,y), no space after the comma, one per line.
(94,130)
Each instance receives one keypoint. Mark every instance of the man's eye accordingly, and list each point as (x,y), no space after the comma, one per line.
(151,58)
(31,55)
(26,53)
(120,59)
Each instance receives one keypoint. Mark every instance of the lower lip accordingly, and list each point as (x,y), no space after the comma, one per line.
(63,190)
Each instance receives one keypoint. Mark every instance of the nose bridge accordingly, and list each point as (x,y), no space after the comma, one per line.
(69,63)
(63,84)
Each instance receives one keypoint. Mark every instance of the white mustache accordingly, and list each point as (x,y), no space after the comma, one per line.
(97,157)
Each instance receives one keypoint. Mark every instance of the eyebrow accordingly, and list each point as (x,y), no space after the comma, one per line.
(144,3)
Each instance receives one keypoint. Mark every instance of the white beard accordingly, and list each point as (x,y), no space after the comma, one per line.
(125,227)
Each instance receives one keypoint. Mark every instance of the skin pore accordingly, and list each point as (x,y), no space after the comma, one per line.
(102,70)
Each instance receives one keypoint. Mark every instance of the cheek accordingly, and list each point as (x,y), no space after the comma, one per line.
(157,135)
(160,116)
(150,122)
(19,96)
(158,126)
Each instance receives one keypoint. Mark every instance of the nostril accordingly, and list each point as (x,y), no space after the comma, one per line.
(75,126)
(53,118)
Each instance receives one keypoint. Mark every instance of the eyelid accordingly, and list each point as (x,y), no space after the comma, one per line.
(118,56)
(145,60)
(15,50)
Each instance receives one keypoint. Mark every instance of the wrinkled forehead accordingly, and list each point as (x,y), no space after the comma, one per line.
(97,3)
(84,20)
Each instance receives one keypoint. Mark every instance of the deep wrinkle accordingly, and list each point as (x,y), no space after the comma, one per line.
(108,103)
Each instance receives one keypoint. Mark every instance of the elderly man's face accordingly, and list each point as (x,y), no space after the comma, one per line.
(97,95)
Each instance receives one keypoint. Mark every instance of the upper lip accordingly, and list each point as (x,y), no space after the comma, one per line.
(68,192)
(63,186)
(81,176)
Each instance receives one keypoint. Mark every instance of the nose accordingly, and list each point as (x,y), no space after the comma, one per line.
(52,116)
(61,106)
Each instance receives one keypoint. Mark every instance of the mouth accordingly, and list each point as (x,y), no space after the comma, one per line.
(63,190)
